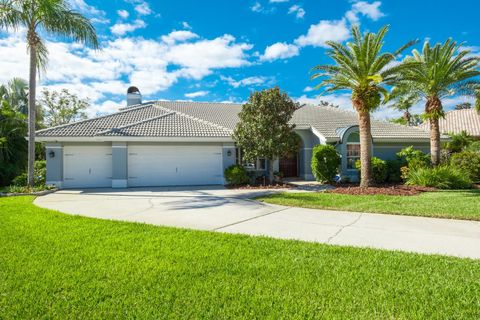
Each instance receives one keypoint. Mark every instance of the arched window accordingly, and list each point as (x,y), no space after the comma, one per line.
(353,149)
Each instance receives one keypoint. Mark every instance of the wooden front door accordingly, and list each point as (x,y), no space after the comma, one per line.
(289,166)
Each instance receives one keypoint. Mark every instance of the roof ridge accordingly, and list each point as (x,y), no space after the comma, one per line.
(195,118)
(91,119)
(134,123)
(203,102)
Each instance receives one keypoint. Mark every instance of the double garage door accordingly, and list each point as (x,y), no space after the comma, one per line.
(147,165)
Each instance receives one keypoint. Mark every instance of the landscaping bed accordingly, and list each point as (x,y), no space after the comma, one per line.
(261,187)
(391,190)
(60,266)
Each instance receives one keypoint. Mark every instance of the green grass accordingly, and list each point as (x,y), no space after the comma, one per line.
(463,204)
(59,266)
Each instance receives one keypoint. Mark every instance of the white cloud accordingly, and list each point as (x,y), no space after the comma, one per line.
(257,7)
(179,36)
(249,82)
(370,10)
(308,89)
(278,1)
(342,100)
(143,9)
(152,65)
(96,15)
(325,30)
(297,10)
(123,13)
(196,94)
(185,25)
(121,29)
(279,50)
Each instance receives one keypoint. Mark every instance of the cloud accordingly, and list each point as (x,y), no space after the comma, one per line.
(341,99)
(249,82)
(279,50)
(178,36)
(278,1)
(143,9)
(152,65)
(96,15)
(369,10)
(257,7)
(196,94)
(186,26)
(325,30)
(297,10)
(121,29)
(308,89)
(123,14)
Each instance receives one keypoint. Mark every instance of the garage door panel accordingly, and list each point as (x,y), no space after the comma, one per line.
(174,165)
(87,166)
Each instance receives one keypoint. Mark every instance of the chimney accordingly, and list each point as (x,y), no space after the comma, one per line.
(133,96)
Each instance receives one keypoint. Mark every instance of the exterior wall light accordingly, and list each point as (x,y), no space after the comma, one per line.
(229,153)
(51,154)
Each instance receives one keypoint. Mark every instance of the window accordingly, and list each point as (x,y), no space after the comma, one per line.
(353,149)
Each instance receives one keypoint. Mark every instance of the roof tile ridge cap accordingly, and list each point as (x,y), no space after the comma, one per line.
(203,102)
(91,119)
(195,118)
(134,123)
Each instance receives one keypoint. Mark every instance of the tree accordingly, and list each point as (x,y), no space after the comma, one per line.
(53,17)
(62,107)
(264,130)
(403,101)
(361,68)
(15,92)
(463,105)
(438,72)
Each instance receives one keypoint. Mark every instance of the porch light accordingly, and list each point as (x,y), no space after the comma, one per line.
(229,153)
(51,154)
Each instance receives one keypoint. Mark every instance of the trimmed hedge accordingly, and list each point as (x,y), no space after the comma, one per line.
(379,169)
(325,163)
(236,175)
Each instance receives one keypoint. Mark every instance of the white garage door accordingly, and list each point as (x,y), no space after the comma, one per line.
(157,165)
(87,166)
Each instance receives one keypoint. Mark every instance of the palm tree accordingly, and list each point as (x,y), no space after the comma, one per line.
(403,102)
(16,93)
(441,71)
(361,67)
(53,17)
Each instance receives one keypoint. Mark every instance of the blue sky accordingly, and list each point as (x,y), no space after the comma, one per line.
(222,50)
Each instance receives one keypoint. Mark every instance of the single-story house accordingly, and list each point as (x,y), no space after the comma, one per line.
(456,121)
(168,143)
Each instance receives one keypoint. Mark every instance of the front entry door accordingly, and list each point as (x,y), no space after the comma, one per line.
(289,166)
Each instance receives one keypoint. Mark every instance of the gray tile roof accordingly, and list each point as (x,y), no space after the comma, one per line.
(203,119)
(456,121)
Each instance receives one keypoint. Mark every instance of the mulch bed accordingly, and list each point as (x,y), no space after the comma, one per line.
(390,190)
(260,187)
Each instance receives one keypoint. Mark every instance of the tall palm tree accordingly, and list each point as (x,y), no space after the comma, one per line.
(436,73)
(54,17)
(361,68)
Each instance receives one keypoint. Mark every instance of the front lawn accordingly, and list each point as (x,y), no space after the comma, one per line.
(464,204)
(54,265)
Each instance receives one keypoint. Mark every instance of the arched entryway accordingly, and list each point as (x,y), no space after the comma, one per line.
(288,166)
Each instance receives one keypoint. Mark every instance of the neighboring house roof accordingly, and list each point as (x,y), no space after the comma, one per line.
(456,121)
(214,120)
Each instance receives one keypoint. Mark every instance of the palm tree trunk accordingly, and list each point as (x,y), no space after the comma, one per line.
(435,141)
(365,149)
(31,115)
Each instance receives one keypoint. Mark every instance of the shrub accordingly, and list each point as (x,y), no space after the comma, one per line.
(469,162)
(236,175)
(441,177)
(394,173)
(414,158)
(325,163)
(475,146)
(40,173)
(379,169)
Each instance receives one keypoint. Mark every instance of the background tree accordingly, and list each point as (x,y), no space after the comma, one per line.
(463,105)
(403,101)
(264,130)
(363,69)
(13,151)
(52,17)
(15,92)
(62,107)
(436,73)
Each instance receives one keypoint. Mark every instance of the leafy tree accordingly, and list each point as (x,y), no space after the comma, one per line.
(436,73)
(463,105)
(62,107)
(361,68)
(15,92)
(51,17)
(13,155)
(264,130)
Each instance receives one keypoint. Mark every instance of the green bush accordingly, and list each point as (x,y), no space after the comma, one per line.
(474,146)
(441,177)
(469,162)
(325,163)
(40,173)
(414,158)
(379,169)
(236,175)
(394,174)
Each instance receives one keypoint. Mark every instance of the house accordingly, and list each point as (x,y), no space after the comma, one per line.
(166,143)
(456,121)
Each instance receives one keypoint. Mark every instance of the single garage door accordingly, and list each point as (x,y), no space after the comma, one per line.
(174,165)
(87,166)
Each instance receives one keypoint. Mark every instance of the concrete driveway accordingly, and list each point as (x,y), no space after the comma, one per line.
(232,211)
